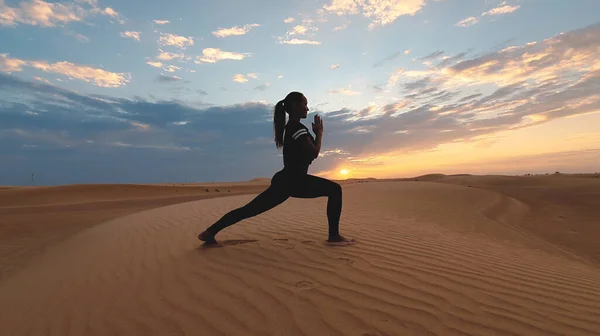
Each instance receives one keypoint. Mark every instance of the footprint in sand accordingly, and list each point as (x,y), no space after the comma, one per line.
(307,242)
(304,284)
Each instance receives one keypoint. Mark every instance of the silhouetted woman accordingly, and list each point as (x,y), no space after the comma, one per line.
(300,148)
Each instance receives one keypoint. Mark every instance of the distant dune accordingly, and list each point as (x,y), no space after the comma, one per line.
(436,255)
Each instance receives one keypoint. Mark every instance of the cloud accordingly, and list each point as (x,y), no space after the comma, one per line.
(80,37)
(49,14)
(389,58)
(213,55)
(239,78)
(167,56)
(307,30)
(502,9)
(88,74)
(467,22)
(110,12)
(263,87)
(289,20)
(381,12)
(346,92)
(11,65)
(342,27)
(175,40)
(155,64)
(433,55)
(161,22)
(562,57)
(168,79)
(131,34)
(235,30)
(96,76)
(298,41)
(301,30)
(43,80)
(333,67)
(447,60)
(171,68)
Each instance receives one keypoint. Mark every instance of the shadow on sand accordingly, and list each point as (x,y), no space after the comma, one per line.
(229,242)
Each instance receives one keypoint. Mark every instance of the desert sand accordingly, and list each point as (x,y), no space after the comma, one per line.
(436,255)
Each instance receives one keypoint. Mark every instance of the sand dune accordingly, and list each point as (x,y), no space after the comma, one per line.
(432,259)
(33,218)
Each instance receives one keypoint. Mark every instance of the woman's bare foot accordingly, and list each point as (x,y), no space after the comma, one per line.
(339,239)
(207,238)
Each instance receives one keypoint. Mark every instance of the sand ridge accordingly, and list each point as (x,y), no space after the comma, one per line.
(432,259)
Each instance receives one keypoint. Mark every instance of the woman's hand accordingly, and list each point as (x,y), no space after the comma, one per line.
(317,125)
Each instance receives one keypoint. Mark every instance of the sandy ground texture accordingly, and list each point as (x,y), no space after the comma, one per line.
(446,255)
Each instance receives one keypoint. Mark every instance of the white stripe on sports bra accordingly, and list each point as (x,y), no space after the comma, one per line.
(299,133)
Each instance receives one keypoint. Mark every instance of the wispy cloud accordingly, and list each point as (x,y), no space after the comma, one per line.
(235,30)
(468,22)
(131,34)
(346,92)
(96,76)
(334,66)
(502,9)
(342,26)
(43,80)
(161,22)
(289,20)
(391,58)
(263,87)
(168,79)
(298,41)
(167,39)
(80,37)
(213,55)
(171,68)
(432,56)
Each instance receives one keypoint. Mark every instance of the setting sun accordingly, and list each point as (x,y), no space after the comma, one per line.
(344,171)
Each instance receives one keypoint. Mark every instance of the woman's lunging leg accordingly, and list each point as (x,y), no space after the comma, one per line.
(310,186)
(268,199)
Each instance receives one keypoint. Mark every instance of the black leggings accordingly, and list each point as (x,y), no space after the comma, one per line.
(283,186)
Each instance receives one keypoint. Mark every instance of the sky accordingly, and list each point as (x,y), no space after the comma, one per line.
(106,91)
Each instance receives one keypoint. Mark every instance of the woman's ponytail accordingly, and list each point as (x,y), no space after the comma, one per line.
(279,123)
